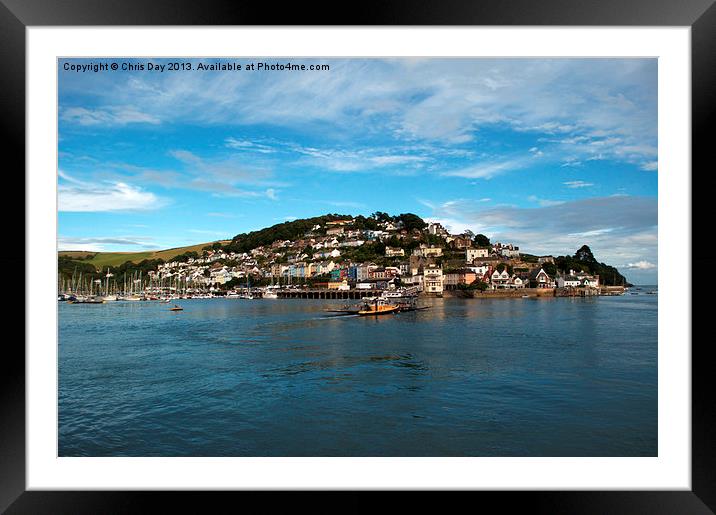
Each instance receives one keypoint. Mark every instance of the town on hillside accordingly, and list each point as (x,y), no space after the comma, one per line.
(355,255)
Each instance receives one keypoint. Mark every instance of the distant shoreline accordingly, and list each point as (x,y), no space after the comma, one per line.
(534,292)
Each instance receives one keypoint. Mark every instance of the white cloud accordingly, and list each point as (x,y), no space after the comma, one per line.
(487,170)
(100,244)
(81,196)
(578,184)
(651,166)
(596,107)
(640,265)
(249,146)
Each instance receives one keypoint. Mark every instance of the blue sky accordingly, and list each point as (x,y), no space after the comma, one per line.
(549,154)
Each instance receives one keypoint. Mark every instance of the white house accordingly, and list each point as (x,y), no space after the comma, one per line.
(500,279)
(326,254)
(541,279)
(433,279)
(473,254)
(428,251)
(567,281)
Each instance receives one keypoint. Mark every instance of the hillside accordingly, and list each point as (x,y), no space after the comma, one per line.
(103,259)
(358,245)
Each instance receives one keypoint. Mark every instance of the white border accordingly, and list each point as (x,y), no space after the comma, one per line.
(672,467)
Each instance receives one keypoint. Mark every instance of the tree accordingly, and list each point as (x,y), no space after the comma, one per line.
(583,260)
(382,217)
(585,254)
(481,240)
(479,285)
(550,269)
(411,221)
(501,266)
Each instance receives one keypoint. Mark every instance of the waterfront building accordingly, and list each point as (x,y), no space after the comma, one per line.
(567,281)
(500,279)
(540,279)
(577,280)
(433,279)
(454,278)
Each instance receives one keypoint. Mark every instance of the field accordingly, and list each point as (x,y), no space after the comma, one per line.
(102,259)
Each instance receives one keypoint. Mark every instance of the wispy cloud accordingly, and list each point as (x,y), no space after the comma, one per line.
(578,184)
(78,196)
(225,176)
(544,202)
(592,106)
(250,146)
(640,265)
(99,244)
(113,115)
(488,170)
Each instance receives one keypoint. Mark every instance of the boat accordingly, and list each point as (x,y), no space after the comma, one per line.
(176,308)
(86,300)
(401,293)
(377,306)
(270,292)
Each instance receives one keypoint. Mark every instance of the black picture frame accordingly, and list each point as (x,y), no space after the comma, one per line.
(700,15)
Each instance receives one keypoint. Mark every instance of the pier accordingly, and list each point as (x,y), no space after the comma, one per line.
(324,293)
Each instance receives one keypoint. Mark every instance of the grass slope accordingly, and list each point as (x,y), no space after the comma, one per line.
(101,259)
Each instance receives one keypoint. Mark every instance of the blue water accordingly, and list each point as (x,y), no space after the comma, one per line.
(501,377)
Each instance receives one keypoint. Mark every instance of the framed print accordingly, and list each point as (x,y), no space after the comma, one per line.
(434,248)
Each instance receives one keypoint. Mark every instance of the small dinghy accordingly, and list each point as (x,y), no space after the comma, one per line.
(176,308)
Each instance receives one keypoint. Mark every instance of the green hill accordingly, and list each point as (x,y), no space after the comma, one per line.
(103,259)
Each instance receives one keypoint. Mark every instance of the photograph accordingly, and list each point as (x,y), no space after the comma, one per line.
(357,256)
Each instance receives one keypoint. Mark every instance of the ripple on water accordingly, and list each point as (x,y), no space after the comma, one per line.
(464,378)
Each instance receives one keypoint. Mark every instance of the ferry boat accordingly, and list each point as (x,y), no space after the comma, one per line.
(378,306)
